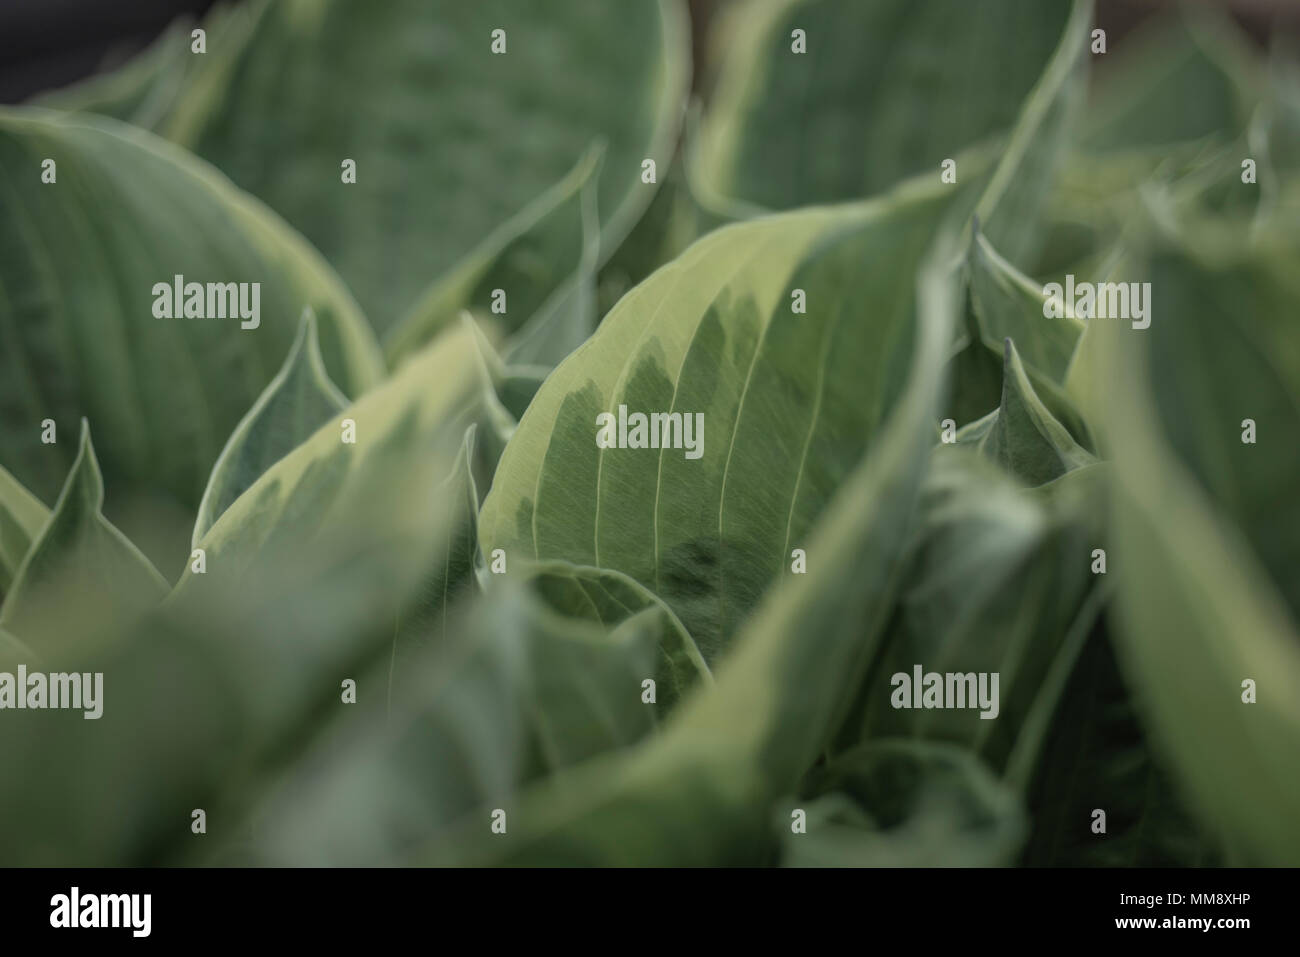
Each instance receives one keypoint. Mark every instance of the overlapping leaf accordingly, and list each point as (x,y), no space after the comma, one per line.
(608,597)
(295,403)
(517,693)
(1185,77)
(817,539)
(450,139)
(1098,757)
(420,412)
(305,575)
(703,791)
(78,552)
(789,403)
(840,121)
(789,399)
(79,259)
(1021,434)
(1202,524)
(998,579)
(530,269)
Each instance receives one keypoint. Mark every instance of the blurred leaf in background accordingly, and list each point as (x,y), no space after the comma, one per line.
(419,595)
(453,133)
(79,260)
(891,89)
(304,577)
(1201,413)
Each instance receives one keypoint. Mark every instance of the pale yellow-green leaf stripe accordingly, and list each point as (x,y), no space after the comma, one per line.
(81,258)
(292,407)
(401,428)
(78,552)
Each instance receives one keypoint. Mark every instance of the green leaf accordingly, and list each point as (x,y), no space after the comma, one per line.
(703,791)
(1021,434)
(702,335)
(609,598)
(308,82)
(419,413)
(425,621)
(1002,305)
(254,666)
(998,581)
(562,325)
(789,404)
(904,804)
(292,407)
(518,387)
(79,259)
(519,693)
(305,575)
(1228,308)
(14,653)
(1179,101)
(974,374)
(1182,77)
(1202,526)
(1009,305)
(1012,206)
(532,259)
(839,122)
(674,220)
(22,516)
(78,552)
(1097,757)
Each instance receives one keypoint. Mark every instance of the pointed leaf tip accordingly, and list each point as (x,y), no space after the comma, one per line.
(299,400)
(78,552)
(1022,434)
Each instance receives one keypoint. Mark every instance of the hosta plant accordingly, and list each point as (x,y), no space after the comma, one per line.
(432,434)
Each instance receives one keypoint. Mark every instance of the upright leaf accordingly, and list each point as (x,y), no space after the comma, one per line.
(293,406)
(780,405)
(522,269)
(1009,305)
(425,621)
(1005,305)
(704,790)
(305,574)
(838,122)
(998,583)
(1202,520)
(523,104)
(79,261)
(1021,434)
(78,553)
(517,692)
(418,415)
